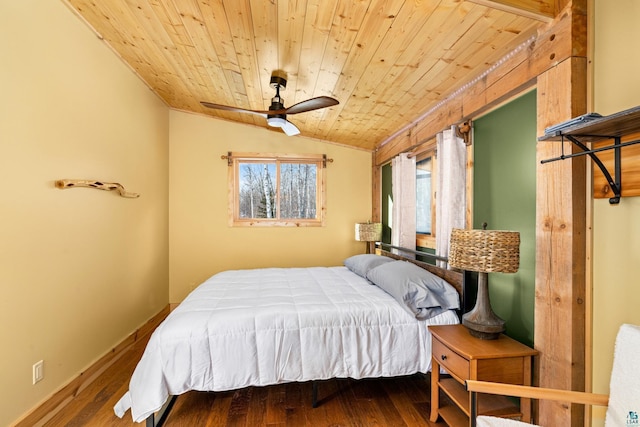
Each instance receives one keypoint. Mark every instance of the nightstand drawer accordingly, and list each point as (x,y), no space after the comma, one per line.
(451,361)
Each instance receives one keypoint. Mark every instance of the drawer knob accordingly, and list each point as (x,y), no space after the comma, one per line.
(443,357)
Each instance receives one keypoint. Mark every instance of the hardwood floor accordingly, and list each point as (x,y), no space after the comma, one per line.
(402,401)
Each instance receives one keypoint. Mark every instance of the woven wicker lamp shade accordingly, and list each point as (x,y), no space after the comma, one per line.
(490,251)
(484,251)
(369,232)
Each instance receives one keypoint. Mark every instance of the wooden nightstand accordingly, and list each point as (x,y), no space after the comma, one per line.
(465,357)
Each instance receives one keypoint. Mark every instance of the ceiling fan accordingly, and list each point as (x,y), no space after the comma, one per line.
(277,114)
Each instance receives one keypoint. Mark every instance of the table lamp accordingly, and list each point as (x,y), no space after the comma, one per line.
(484,251)
(369,232)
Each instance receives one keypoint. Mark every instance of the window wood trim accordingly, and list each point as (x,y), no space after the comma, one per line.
(233,180)
(422,152)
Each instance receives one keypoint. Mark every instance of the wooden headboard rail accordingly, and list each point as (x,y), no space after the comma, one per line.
(455,277)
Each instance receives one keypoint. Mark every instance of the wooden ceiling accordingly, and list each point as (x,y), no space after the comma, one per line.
(388,62)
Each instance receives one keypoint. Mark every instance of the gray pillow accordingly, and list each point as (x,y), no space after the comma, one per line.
(420,292)
(361,264)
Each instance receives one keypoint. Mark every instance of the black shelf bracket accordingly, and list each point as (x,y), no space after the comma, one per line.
(592,127)
(614,183)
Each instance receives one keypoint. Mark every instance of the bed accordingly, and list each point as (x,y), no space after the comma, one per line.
(267,326)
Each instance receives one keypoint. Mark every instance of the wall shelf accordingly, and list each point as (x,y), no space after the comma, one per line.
(623,129)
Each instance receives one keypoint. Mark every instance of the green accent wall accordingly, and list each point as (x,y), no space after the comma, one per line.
(504,196)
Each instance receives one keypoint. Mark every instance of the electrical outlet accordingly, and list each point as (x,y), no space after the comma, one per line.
(38,371)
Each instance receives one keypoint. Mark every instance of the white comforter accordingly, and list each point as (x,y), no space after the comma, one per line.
(268,326)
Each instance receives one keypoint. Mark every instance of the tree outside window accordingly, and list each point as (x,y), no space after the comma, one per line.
(281,190)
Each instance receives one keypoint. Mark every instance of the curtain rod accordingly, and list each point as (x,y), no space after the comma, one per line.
(229,158)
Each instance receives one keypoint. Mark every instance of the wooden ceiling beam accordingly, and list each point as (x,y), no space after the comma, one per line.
(541,10)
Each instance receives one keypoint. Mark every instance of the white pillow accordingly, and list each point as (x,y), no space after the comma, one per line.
(361,264)
(421,293)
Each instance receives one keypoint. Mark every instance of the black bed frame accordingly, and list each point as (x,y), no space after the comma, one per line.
(458,279)
(157,419)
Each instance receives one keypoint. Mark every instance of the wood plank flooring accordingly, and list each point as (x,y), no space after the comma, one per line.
(402,401)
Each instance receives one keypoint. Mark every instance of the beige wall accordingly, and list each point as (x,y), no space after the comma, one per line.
(201,242)
(616,230)
(79,268)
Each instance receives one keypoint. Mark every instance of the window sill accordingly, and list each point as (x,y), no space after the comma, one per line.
(425,241)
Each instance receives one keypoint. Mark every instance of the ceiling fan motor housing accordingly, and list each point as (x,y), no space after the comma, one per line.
(277,102)
(276,120)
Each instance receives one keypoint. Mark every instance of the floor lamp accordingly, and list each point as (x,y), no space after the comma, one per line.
(484,251)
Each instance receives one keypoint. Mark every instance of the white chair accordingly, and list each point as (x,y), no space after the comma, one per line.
(623,401)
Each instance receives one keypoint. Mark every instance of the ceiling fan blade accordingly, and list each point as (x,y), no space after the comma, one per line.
(311,104)
(290,129)
(234,109)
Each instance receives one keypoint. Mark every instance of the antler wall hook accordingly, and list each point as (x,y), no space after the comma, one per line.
(70,183)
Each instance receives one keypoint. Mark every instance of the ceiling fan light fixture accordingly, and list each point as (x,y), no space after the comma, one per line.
(276,122)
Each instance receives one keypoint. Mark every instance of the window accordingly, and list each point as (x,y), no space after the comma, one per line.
(423,196)
(276,190)
(426,185)
(425,200)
